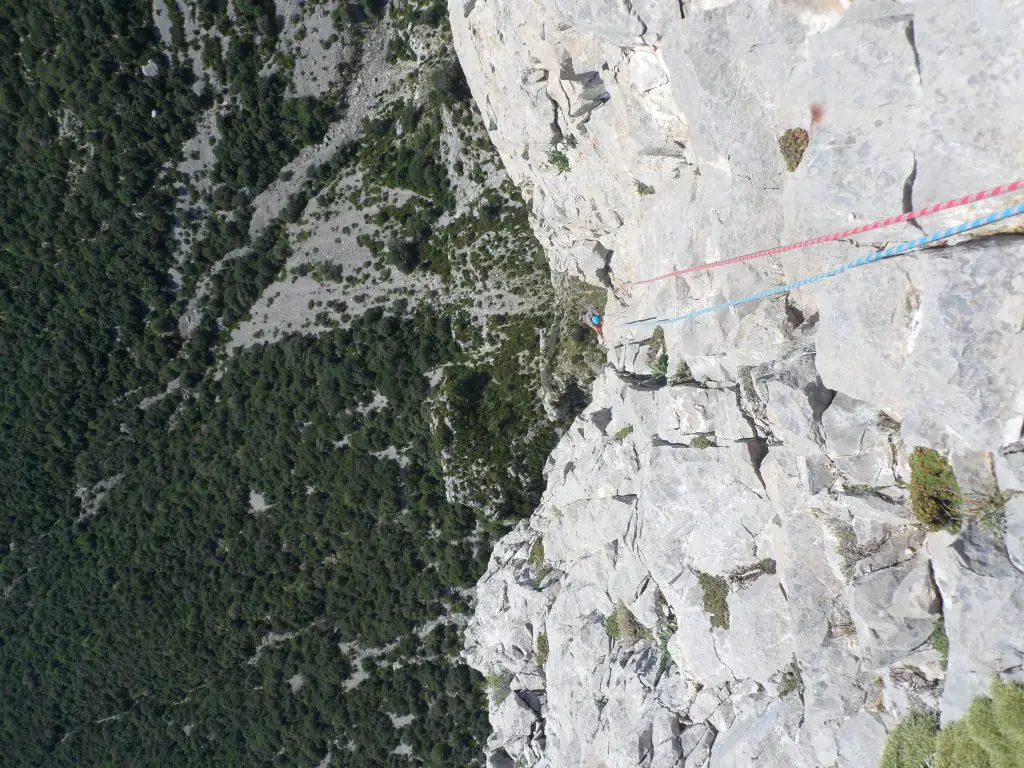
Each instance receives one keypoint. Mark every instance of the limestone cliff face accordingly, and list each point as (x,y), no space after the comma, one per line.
(752,518)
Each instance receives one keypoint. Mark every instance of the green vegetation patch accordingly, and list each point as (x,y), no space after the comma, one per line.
(791,680)
(990,735)
(499,684)
(625,432)
(793,144)
(537,552)
(703,441)
(542,648)
(934,491)
(559,161)
(657,356)
(716,598)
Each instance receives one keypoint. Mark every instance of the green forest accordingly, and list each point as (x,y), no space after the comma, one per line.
(169,618)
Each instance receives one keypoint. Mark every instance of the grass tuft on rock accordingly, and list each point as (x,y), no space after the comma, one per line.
(911,744)
(499,684)
(624,626)
(703,441)
(625,432)
(716,602)
(542,648)
(988,510)
(666,627)
(939,639)
(793,143)
(934,491)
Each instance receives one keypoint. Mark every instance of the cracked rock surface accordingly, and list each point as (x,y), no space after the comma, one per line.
(772,596)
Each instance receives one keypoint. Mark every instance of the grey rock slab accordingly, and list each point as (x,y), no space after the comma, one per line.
(860,741)
(609,19)
(584,527)
(983,602)
(692,646)
(730,422)
(789,414)
(767,734)
(707,701)
(759,640)
(850,353)
(893,609)
(856,443)
(1014,533)
(967,56)
(695,743)
(700,508)
(963,379)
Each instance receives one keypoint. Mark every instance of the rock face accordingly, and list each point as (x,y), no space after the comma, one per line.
(772,597)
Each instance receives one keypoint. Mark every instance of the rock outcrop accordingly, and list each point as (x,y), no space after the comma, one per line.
(730,572)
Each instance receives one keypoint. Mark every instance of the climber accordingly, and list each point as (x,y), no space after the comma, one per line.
(592,319)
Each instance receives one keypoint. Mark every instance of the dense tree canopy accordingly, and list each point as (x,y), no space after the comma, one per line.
(267,567)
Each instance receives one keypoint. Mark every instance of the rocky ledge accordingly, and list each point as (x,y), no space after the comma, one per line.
(725,568)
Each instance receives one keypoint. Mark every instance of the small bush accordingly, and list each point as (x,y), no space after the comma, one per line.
(990,735)
(683,375)
(622,624)
(542,648)
(700,441)
(934,491)
(644,189)
(559,161)
(911,743)
(623,433)
(656,344)
(657,357)
(659,366)
(716,602)
(793,144)
(939,639)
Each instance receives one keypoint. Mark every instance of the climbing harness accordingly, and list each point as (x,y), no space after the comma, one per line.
(981,221)
(1002,189)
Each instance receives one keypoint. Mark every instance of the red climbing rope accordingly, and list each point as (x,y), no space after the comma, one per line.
(1000,190)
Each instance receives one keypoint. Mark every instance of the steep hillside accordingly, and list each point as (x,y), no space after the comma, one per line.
(752,549)
(281,358)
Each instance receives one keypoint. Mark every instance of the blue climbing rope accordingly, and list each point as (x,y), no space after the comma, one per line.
(981,221)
